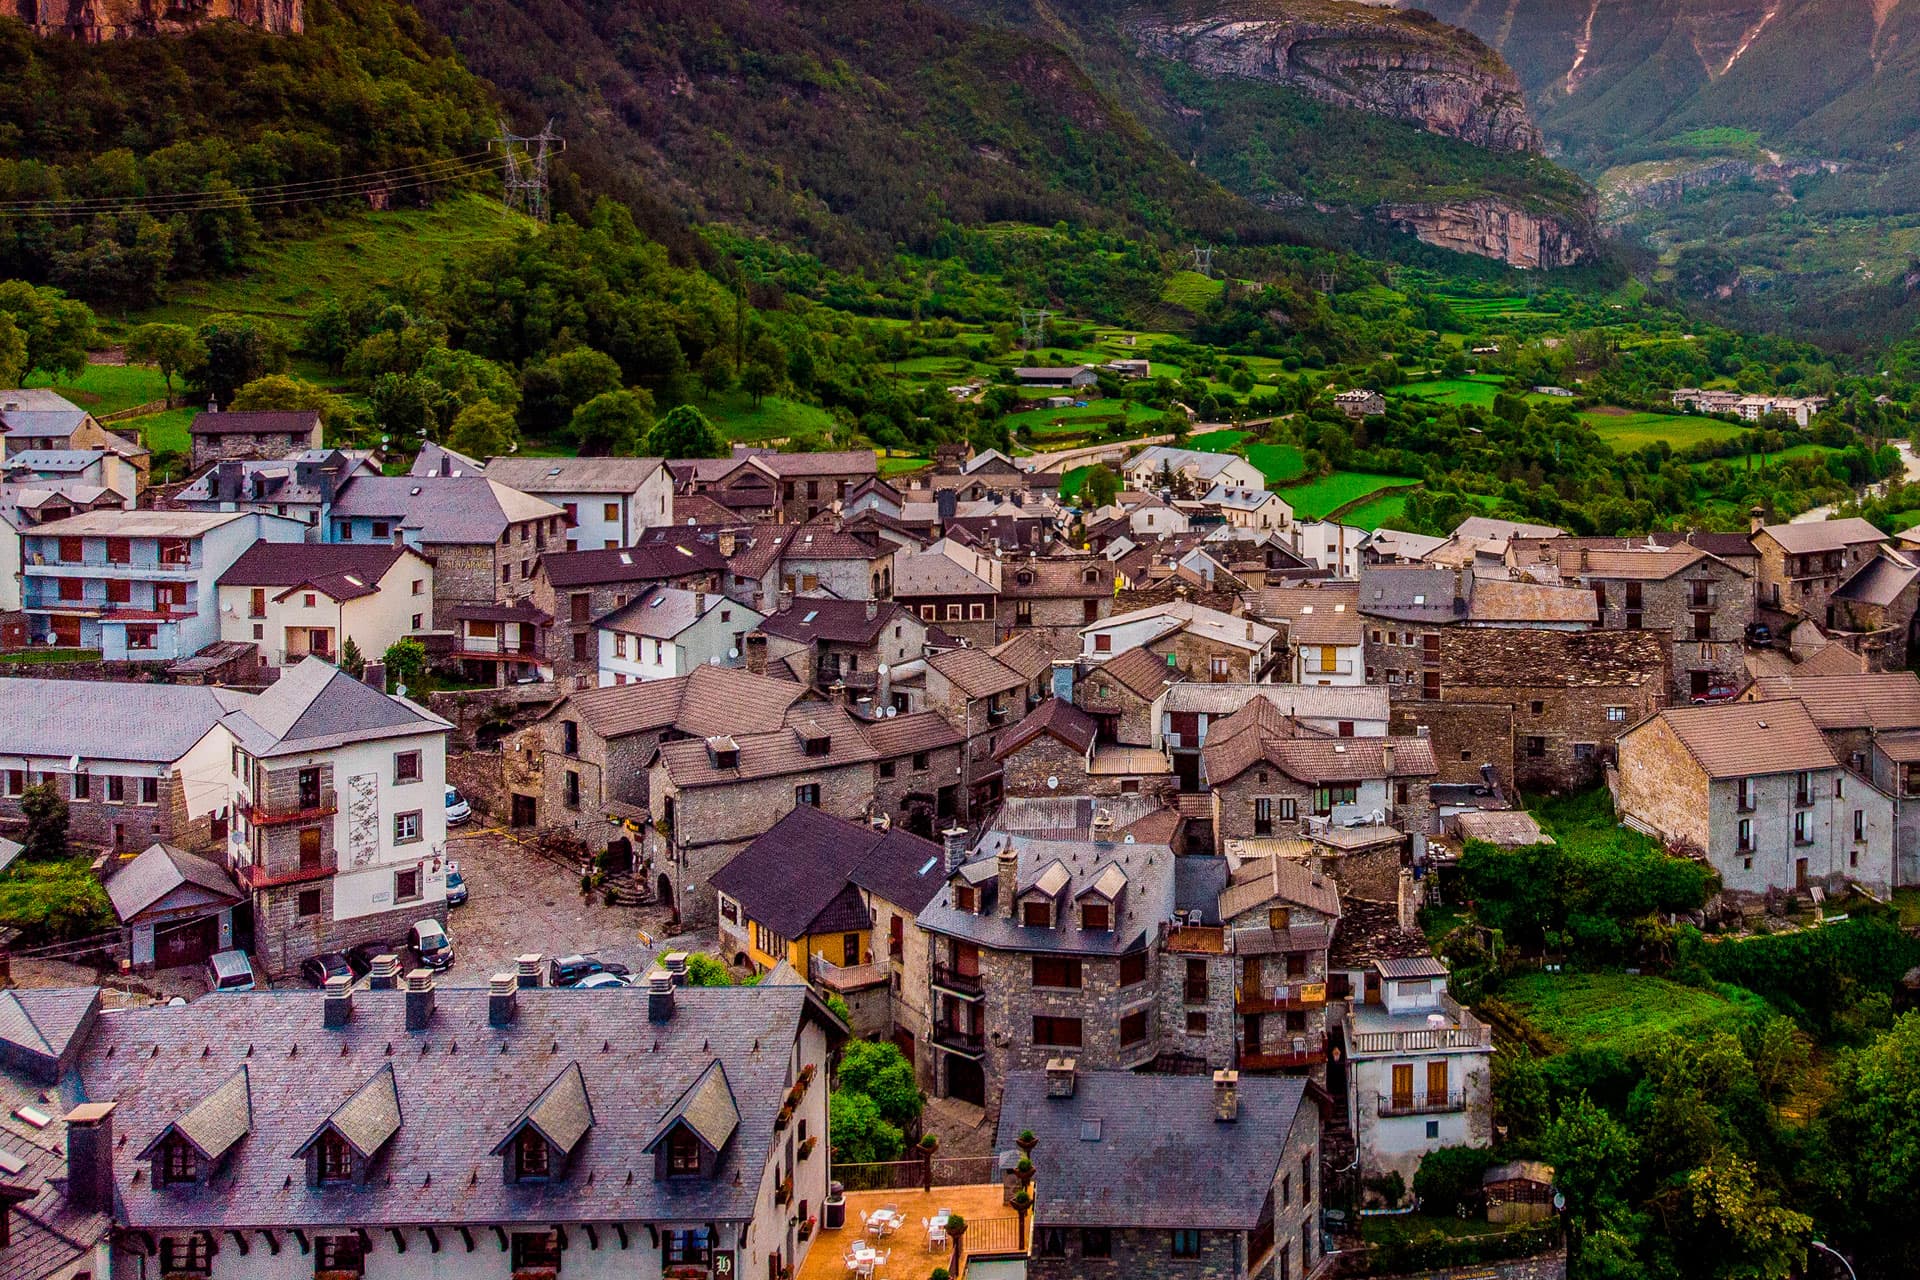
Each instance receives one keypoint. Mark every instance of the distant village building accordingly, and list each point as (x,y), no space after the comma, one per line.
(1360,403)
(1077,375)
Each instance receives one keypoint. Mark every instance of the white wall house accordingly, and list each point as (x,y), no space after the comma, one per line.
(298,599)
(668,632)
(609,502)
(1147,469)
(1328,544)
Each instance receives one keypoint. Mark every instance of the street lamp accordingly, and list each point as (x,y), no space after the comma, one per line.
(1824,1248)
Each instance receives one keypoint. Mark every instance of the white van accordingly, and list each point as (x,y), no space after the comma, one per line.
(230,971)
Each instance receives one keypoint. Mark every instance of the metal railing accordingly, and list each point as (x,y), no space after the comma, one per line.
(952,979)
(952,1037)
(1422,1104)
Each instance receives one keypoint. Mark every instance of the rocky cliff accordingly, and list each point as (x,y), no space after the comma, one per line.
(1493,228)
(95,20)
(1403,65)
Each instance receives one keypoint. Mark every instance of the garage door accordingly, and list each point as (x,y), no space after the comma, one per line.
(186,942)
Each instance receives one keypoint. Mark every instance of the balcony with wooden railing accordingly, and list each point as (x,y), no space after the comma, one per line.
(1288,1053)
(1280,997)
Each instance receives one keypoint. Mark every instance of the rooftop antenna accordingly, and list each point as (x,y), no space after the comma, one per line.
(525,169)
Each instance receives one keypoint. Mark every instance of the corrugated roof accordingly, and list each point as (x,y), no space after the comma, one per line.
(1743,739)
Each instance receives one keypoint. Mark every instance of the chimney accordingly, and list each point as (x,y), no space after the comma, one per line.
(955,839)
(1249,628)
(675,963)
(527,970)
(659,996)
(502,999)
(337,1009)
(1061,1077)
(1008,871)
(1459,585)
(1585,560)
(882,689)
(374,675)
(386,973)
(873,609)
(699,604)
(1756,518)
(1386,759)
(1100,828)
(1226,1096)
(727,543)
(419,999)
(90,1157)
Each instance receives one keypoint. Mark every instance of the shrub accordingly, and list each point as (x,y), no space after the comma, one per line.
(705,971)
(1449,1176)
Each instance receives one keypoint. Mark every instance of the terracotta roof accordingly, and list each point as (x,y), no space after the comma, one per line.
(1260,881)
(1318,760)
(1638,563)
(1743,739)
(777,752)
(1314,615)
(1867,700)
(1496,601)
(1030,653)
(1901,748)
(698,509)
(1823,535)
(706,701)
(845,462)
(975,673)
(904,735)
(1055,717)
(1142,672)
(1833,659)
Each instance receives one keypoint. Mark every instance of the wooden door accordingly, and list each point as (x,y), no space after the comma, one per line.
(1800,874)
(1403,1084)
(1437,1081)
(850,949)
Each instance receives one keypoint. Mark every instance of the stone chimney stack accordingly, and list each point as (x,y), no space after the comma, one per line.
(526,970)
(727,543)
(699,604)
(675,963)
(659,996)
(386,973)
(1386,760)
(337,1010)
(1226,1096)
(90,1157)
(503,999)
(873,610)
(1100,827)
(955,840)
(1459,586)
(1062,1075)
(1007,869)
(1756,518)
(419,999)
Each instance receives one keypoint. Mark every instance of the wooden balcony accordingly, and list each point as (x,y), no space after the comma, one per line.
(314,805)
(1292,997)
(1288,1055)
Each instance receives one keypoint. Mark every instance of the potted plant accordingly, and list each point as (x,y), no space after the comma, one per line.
(806,1228)
(784,1192)
(1022,1204)
(806,1148)
(930,1144)
(806,1074)
(1026,1141)
(785,1117)
(956,1228)
(1025,1170)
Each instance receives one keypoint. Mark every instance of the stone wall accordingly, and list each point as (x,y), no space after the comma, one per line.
(283,937)
(1025,771)
(465,574)
(209,448)
(910,790)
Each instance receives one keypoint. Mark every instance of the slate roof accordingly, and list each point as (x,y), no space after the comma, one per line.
(1202,464)
(1148,901)
(243,422)
(1881,700)
(1057,577)
(1054,717)
(688,552)
(1194,619)
(774,753)
(460,510)
(1412,593)
(975,673)
(1744,739)
(151,723)
(708,1107)
(1880,581)
(835,621)
(1120,1150)
(661,612)
(330,567)
(48,1235)
(44,1020)
(934,572)
(159,872)
(1399,542)
(573,475)
(216,1122)
(1496,529)
(316,706)
(458,1096)
(562,1113)
(830,463)
(1497,601)
(706,701)
(794,873)
(1823,535)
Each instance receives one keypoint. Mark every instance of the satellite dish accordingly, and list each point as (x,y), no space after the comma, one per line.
(73,763)
(882,669)
(1053,783)
(400,691)
(892,712)
(732,652)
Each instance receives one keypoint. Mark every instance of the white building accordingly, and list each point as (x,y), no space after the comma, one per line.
(1419,1066)
(296,599)
(1148,468)
(609,501)
(668,632)
(1246,508)
(1330,545)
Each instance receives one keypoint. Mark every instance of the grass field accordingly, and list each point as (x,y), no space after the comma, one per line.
(161,432)
(346,254)
(1456,391)
(1618,1010)
(894,466)
(1071,479)
(1317,499)
(1216,441)
(1096,415)
(1787,454)
(1624,432)
(1279,463)
(1387,509)
(735,416)
(109,388)
(1191,290)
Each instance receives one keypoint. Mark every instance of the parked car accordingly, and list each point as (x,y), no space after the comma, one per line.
(315,970)
(567,971)
(594,980)
(1759,635)
(456,885)
(431,944)
(1715,693)
(458,810)
(361,956)
(231,971)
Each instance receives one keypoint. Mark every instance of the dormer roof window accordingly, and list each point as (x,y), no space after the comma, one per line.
(538,1145)
(191,1148)
(347,1141)
(697,1128)
(723,752)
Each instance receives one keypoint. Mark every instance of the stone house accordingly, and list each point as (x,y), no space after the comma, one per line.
(812,483)
(301,486)
(1055,594)
(981,697)
(1124,696)
(138,764)
(136,585)
(1204,644)
(668,631)
(1756,789)
(1802,565)
(484,537)
(1542,707)
(1043,947)
(952,585)
(582,766)
(633,1133)
(1054,751)
(1873,612)
(576,587)
(339,814)
(1419,1066)
(1405,609)
(826,641)
(236,434)
(1702,603)
(609,502)
(1038,657)
(291,599)
(1113,1145)
(1360,403)
(771,564)
(836,900)
(1269,778)
(918,771)
(1190,709)
(745,486)
(711,798)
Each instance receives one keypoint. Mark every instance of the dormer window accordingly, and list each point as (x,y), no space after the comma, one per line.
(1096,915)
(178,1162)
(336,1159)
(532,1160)
(1038,915)
(965,897)
(683,1154)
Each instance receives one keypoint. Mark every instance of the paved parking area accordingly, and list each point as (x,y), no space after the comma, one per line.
(519,902)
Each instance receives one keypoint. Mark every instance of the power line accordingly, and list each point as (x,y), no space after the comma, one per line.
(526,168)
(95,204)
(222,201)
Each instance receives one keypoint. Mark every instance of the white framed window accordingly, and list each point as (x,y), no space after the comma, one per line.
(406,827)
